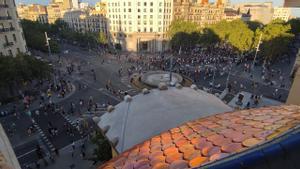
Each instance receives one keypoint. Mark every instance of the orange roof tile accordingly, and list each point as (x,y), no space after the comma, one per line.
(205,140)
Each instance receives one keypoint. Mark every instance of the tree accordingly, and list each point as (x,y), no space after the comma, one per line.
(15,71)
(183,34)
(208,37)
(178,26)
(103,151)
(235,33)
(102,38)
(34,33)
(295,26)
(276,37)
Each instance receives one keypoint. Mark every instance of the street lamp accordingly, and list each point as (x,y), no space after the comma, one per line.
(47,43)
(257,50)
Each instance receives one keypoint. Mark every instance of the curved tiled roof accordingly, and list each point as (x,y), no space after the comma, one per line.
(206,140)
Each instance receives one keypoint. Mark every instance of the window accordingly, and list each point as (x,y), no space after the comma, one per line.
(151,10)
(6,39)
(139,29)
(151,3)
(145,3)
(129,9)
(145,29)
(139,3)
(145,16)
(145,22)
(14,37)
(10,52)
(160,10)
(129,3)
(124,9)
(139,22)
(151,30)
(139,10)
(139,16)
(160,4)
(145,10)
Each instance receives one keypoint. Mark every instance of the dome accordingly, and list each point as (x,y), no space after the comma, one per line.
(266,138)
(147,115)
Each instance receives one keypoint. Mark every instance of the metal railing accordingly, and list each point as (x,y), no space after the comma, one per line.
(8,44)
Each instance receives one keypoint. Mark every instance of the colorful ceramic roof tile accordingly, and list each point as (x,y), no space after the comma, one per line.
(206,140)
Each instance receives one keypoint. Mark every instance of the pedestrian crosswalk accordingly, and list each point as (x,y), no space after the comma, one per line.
(44,138)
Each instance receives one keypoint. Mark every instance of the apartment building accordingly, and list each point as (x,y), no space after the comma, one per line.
(259,11)
(139,25)
(200,12)
(12,39)
(55,11)
(83,21)
(282,13)
(292,3)
(33,12)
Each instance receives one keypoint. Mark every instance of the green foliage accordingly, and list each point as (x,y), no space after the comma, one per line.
(236,33)
(103,150)
(102,38)
(22,68)
(182,26)
(118,46)
(35,36)
(208,37)
(276,38)
(295,26)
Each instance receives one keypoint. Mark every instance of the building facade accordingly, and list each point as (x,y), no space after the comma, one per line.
(292,3)
(12,39)
(282,13)
(33,12)
(261,11)
(55,11)
(139,25)
(200,12)
(83,21)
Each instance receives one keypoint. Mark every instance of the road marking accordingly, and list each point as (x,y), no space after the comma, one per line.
(20,156)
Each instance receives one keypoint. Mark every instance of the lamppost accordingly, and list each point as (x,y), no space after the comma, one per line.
(48,44)
(49,53)
(257,50)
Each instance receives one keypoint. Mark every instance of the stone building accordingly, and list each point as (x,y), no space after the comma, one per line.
(282,13)
(33,12)
(139,25)
(83,21)
(200,12)
(12,39)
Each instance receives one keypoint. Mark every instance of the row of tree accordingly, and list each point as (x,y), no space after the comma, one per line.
(242,36)
(16,72)
(35,35)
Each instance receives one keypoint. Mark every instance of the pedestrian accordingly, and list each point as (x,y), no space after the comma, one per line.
(73,145)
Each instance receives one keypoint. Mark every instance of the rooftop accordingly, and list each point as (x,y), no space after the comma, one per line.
(204,141)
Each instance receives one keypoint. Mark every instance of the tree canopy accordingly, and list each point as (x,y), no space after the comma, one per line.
(34,33)
(242,36)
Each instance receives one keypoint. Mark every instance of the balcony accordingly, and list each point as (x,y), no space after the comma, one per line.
(3,6)
(5,17)
(8,44)
(7,29)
